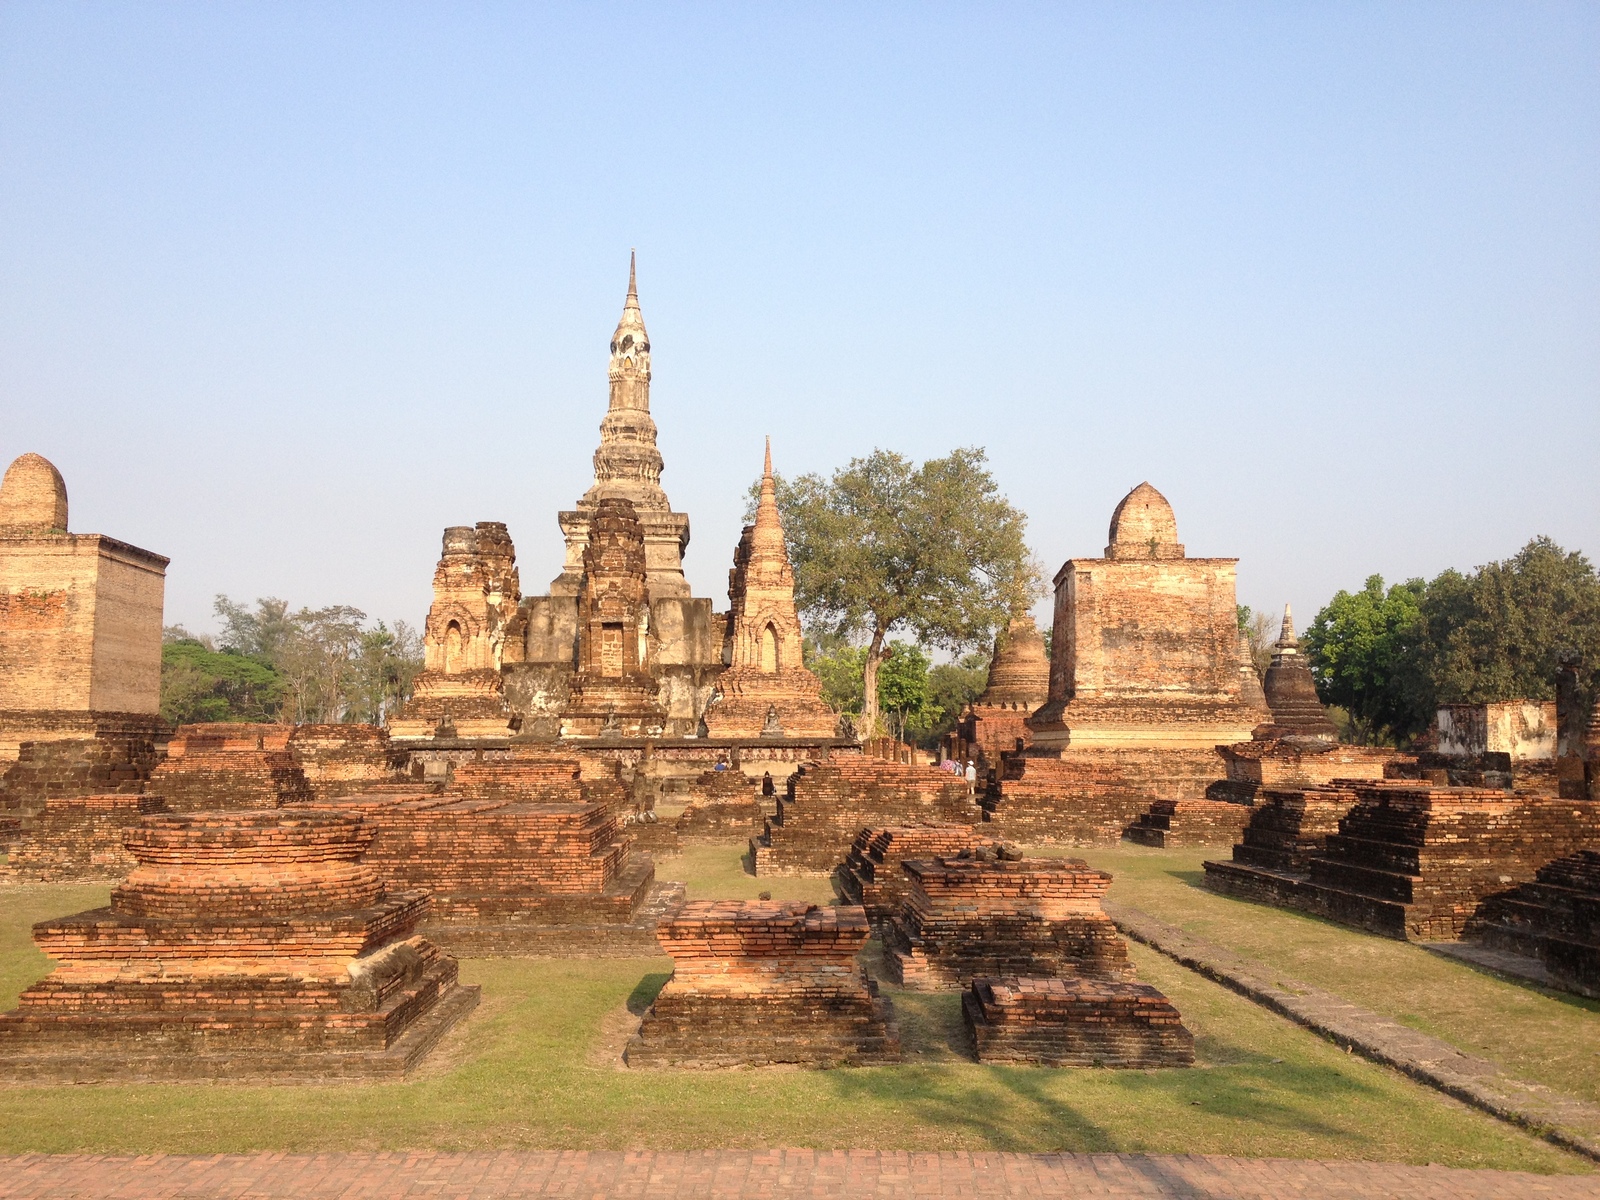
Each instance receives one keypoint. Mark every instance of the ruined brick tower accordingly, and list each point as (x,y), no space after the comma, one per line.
(80,622)
(613,691)
(683,647)
(627,466)
(475,595)
(766,687)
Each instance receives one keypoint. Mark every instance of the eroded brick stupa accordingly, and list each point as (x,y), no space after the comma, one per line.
(765,690)
(1291,691)
(1018,683)
(243,946)
(1146,680)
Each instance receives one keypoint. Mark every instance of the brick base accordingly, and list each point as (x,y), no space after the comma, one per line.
(1075,1023)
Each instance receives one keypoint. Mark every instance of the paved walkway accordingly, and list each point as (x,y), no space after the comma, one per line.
(1567,1121)
(770,1175)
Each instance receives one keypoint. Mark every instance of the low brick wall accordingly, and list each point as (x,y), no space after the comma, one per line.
(872,874)
(827,804)
(79,837)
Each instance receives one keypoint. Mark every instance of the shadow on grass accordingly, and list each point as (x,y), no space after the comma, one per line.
(747,860)
(646,990)
(1570,999)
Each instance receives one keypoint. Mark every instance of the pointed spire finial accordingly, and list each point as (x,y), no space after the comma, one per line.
(633,279)
(766,470)
(1286,633)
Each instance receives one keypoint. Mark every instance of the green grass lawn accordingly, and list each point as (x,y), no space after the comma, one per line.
(536,1067)
(1534,1033)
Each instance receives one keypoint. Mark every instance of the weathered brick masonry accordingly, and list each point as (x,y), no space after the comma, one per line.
(79,837)
(222,766)
(1412,860)
(828,803)
(756,982)
(1554,918)
(513,876)
(244,945)
(968,917)
(871,874)
(721,805)
(1075,1022)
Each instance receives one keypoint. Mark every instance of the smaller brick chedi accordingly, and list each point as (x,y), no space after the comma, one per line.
(1019,682)
(244,945)
(1291,691)
(757,982)
(765,688)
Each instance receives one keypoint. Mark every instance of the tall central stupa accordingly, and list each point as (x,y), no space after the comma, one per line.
(627,466)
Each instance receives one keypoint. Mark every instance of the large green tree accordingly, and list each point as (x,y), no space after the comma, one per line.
(884,545)
(1360,649)
(1392,656)
(202,684)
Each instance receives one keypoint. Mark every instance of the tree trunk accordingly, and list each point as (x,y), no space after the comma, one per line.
(869,687)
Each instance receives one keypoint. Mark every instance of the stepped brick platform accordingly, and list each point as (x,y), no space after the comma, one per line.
(756,982)
(1411,860)
(721,805)
(338,760)
(1075,1023)
(828,803)
(1555,918)
(1288,828)
(872,874)
(985,915)
(79,837)
(1188,823)
(1283,760)
(511,878)
(221,766)
(244,946)
(1089,797)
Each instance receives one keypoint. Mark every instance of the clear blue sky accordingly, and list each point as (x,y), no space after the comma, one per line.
(287,288)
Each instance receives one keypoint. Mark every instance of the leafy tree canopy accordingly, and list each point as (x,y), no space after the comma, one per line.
(884,545)
(1392,656)
(199,684)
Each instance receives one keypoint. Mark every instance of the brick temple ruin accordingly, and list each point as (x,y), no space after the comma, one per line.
(619,658)
(1297,746)
(244,946)
(872,875)
(1408,859)
(1146,680)
(765,690)
(80,654)
(826,804)
(756,982)
(522,856)
(1553,920)
(1047,976)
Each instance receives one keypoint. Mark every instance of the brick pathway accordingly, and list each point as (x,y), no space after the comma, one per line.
(1567,1121)
(731,1174)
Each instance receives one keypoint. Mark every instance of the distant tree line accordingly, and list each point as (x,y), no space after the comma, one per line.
(268,663)
(1389,655)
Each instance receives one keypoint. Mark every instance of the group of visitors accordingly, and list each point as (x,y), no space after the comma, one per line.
(969,772)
